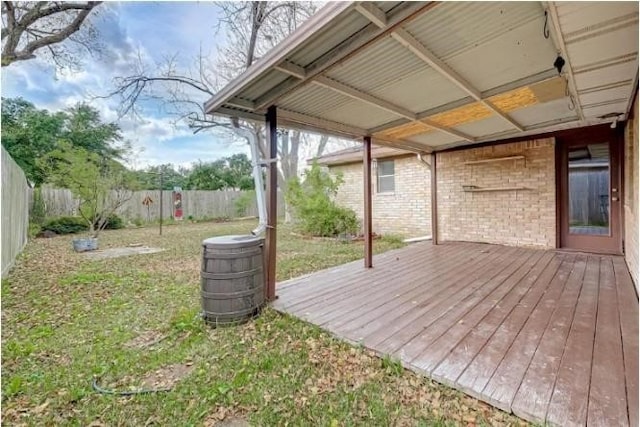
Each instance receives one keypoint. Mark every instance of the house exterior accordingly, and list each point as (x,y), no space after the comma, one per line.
(400,194)
(506,98)
(528,115)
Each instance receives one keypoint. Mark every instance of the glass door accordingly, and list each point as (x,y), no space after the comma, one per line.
(590,194)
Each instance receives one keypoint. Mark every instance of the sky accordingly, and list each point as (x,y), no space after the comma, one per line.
(154,30)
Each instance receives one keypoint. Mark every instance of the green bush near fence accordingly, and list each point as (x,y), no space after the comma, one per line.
(243,202)
(314,208)
(113,222)
(38,211)
(75,224)
(66,225)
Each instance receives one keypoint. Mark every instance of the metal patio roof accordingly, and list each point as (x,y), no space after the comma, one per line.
(427,76)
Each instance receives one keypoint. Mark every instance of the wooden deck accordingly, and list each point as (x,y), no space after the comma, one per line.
(550,336)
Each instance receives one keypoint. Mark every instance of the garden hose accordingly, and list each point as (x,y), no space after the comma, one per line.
(101,390)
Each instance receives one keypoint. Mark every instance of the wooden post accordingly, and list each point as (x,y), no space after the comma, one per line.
(368,241)
(434,200)
(272,202)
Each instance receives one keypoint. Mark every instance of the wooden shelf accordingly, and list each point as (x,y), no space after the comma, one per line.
(493,160)
(486,189)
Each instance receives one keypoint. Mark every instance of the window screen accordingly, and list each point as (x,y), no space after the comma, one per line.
(386,181)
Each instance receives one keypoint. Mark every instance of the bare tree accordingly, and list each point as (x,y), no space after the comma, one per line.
(251,29)
(30,28)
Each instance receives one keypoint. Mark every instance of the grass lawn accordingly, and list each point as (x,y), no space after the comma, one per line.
(133,321)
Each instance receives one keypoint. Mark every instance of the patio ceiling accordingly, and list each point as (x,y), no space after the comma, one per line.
(426,76)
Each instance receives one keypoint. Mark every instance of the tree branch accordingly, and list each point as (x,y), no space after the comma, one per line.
(16,28)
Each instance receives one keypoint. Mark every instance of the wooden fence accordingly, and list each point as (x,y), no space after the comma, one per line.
(15,211)
(196,204)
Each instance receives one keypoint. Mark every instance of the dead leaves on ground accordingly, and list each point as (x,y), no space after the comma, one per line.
(167,377)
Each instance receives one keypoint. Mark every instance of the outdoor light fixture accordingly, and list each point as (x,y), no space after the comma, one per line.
(614,116)
(559,63)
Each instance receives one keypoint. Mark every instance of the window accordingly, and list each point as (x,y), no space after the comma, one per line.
(386,180)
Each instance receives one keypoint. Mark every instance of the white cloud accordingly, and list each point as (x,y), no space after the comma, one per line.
(129,31)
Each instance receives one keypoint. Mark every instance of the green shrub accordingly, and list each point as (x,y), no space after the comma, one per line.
(37,214)
(114,222)
(34,229)
(313,207)
(66,225)
(244,201)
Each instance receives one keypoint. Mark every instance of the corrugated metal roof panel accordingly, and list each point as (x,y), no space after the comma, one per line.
(609,45)
(358,113)
(601,110)
(434,139)
(614,73)
(511,56)
(578,15)
(313,100)
(259,87)
(420,91)
(546,112)
(377,65)
(386,5)
(451,28)
(321,43)
(489,126)
(606,95)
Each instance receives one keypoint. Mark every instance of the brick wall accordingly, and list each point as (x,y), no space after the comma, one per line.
(406,211)
(513,217)
(631,186)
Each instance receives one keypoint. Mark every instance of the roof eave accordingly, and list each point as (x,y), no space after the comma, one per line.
(278,53)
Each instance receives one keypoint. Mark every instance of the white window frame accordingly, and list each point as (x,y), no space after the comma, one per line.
(392,176)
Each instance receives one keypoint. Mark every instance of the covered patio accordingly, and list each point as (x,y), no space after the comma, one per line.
(548,335)
(497,97)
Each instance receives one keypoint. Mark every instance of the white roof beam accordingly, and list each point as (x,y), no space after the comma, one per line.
(558,41)
(277,54)
(372,13)
(402,144)
(406,11)
(292,69)
(241,103)
(317,124)
(526,81)
(385,105)
(288,116)
(441,67)
(418,49)
(364,97)
(445,129)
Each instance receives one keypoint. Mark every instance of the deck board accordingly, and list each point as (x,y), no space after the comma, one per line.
(498,303)
(378,296)
(627,300)
(550,336)
(607,398)
(417,349)
(450,369)
(480,371)
(533,397)
(391,339)
(434,289)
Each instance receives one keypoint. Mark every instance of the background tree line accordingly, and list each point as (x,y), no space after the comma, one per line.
(45,145)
